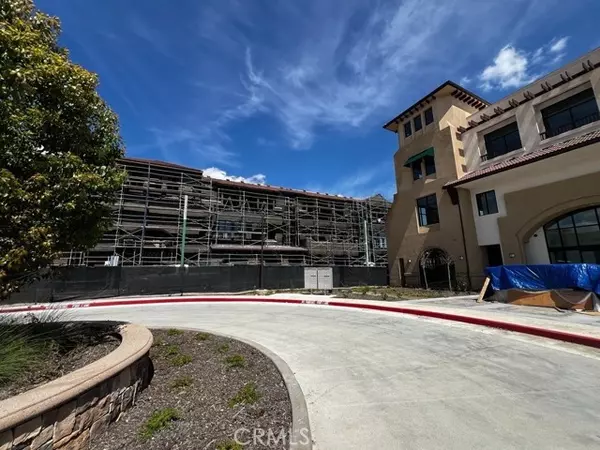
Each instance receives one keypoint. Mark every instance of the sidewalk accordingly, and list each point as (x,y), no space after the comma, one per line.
(548,318)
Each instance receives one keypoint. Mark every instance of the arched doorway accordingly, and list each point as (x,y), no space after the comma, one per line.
(436,268)
(574,237)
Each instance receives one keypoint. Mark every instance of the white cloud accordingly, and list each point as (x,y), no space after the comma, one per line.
(219,174)
(339,68)
(559,45)
(311,65)
(465,81)
(341,77)
(508,71)
(513,67)
(538,56)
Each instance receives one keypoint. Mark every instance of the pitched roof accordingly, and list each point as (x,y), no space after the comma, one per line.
(528,158)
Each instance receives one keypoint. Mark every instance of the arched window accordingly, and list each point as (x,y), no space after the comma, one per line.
(575,237)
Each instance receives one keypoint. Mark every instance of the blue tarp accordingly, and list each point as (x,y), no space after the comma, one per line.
(546,277)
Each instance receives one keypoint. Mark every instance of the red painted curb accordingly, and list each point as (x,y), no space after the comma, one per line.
(580,339)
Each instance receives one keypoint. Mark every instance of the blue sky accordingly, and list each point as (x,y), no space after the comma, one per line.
(295,92)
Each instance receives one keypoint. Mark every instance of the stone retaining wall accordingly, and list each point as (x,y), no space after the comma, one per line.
(74,422)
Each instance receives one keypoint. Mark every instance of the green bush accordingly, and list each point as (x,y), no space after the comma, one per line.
(224,348)
(182,382)
(202,336)
(229,445)
(26,344)
(174,332)
(172,350)
(157,421)
(247,395)
(235,361)
(180,360)
(17,356)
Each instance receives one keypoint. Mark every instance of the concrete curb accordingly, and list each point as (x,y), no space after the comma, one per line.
(136,342)
(301,436)
(580,339)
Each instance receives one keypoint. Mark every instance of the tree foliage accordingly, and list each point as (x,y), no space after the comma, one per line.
(59,143)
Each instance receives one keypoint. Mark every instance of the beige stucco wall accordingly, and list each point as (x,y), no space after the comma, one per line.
(529,209)
(409,240)
(405,238)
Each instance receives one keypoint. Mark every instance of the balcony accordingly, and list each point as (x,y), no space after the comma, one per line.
(571,125)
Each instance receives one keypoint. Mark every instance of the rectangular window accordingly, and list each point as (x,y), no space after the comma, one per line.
(429,165)
(427,210)
(502,141)
(486,203)
(381,242)
(418,123)
(407,129)
(573,112)
(417,171)
(428,116)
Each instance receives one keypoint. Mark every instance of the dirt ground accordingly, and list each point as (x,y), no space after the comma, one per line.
(392,293)
(205,388)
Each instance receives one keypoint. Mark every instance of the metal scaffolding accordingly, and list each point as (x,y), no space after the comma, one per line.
(231,223)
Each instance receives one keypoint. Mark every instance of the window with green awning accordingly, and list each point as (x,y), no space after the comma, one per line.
(419,156)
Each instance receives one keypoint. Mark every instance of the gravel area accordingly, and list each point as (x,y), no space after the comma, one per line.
(393,293)
(58,362)
(202,398)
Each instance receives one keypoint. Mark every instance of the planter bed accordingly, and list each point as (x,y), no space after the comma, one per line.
(57,349)
(205,388)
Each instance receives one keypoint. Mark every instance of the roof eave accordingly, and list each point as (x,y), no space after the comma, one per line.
(523,163)
(427,99)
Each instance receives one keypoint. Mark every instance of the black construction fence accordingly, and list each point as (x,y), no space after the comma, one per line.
(73,283)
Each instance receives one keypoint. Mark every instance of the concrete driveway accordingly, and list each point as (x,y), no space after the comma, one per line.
(376,380)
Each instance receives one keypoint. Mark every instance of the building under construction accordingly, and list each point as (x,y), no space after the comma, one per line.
(233,223)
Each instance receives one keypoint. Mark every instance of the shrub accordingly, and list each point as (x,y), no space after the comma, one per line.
(172,350)
(202,336)
(224,348)
(174,332)
(247,395)
(229,445)
(180,360)
(26,344)
(182,382)
(157,421)
(235,361)
(17,356)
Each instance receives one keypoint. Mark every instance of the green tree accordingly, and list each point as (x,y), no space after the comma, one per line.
(59,143)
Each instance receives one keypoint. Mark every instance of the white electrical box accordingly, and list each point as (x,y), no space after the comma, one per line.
(318,278)
(311,278)
(325,278)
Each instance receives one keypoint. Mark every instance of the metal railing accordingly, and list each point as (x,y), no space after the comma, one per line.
(551,132)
